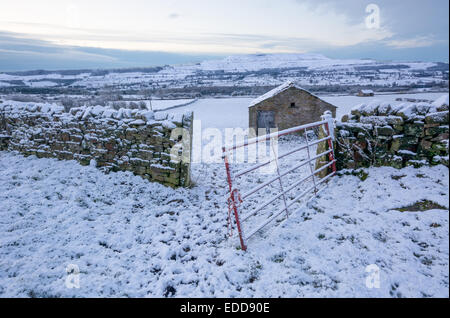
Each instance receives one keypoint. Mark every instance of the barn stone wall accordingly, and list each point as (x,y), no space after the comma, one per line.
(124,140)
(393,135)
(308,109)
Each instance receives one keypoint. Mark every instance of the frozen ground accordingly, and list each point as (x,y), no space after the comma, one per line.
(219,113)
(131,238)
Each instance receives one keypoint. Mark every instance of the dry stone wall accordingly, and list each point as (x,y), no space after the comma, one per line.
(155,146)
(400,135)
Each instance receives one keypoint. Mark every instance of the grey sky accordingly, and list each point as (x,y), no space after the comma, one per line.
(84,33)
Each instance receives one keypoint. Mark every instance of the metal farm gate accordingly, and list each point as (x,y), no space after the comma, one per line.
(245,229)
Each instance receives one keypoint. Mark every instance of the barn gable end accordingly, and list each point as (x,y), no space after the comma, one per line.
(287,106)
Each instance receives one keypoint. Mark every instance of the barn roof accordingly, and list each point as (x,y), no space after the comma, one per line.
(275,92)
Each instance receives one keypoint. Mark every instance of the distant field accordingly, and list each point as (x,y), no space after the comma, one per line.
(233,112)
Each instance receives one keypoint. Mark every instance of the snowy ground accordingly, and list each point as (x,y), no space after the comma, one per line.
(132,238)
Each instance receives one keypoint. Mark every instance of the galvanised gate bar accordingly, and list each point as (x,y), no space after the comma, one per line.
(236,198)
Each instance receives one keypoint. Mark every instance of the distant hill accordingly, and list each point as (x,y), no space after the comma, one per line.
(252,70)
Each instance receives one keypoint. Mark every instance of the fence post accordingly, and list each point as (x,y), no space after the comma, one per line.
(329,127)
(310,164)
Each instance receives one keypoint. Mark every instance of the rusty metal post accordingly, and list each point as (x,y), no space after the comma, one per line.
(234,200)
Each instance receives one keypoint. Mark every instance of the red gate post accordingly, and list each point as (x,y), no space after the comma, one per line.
(234,199)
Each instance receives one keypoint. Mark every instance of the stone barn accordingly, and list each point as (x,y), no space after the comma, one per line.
(366,93)
(285,107)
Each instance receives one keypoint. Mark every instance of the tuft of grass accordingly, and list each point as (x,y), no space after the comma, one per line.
(278,258)
(420,206)
(362,175)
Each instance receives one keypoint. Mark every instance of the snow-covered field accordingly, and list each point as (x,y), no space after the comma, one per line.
(41,84)
(132,238)
(219,113)
(233,112)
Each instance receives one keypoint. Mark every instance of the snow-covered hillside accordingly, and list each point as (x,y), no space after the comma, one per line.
(247,71)
(257,62)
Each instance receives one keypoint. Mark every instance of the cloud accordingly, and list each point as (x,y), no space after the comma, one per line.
(417,42)
(19,53)
(405,18)
(211,28)
(288,21)
(204,42)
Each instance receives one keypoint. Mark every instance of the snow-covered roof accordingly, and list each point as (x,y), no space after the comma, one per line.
(276,91)
(367,91)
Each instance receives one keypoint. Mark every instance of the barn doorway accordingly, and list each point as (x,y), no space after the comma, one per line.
(266,119)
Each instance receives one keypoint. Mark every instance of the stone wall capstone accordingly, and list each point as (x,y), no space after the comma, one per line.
(151,145)
(381,134)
